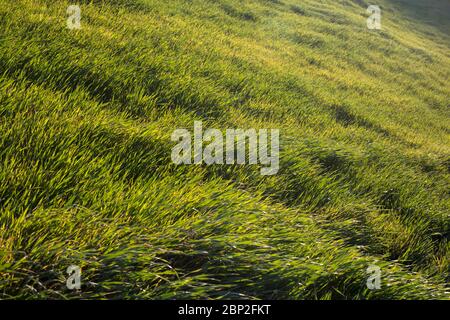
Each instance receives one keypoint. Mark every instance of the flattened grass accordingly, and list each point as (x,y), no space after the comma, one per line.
(86,177)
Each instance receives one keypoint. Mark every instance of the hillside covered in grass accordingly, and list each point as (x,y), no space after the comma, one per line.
(86,177)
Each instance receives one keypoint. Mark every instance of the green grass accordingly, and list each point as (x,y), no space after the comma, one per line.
(86,177)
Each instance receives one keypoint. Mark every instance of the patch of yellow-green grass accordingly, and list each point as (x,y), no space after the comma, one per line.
(86,176)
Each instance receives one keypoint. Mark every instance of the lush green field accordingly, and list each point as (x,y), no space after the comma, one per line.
(86,178)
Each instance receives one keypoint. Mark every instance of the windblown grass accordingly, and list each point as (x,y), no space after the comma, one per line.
(85,171)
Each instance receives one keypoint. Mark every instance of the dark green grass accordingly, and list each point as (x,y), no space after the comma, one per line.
(86,177)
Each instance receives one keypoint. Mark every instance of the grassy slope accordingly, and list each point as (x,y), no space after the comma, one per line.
(85,171)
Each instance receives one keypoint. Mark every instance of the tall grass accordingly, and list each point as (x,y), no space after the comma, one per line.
(86,177)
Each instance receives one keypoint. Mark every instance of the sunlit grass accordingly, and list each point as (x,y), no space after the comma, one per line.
(86,177)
